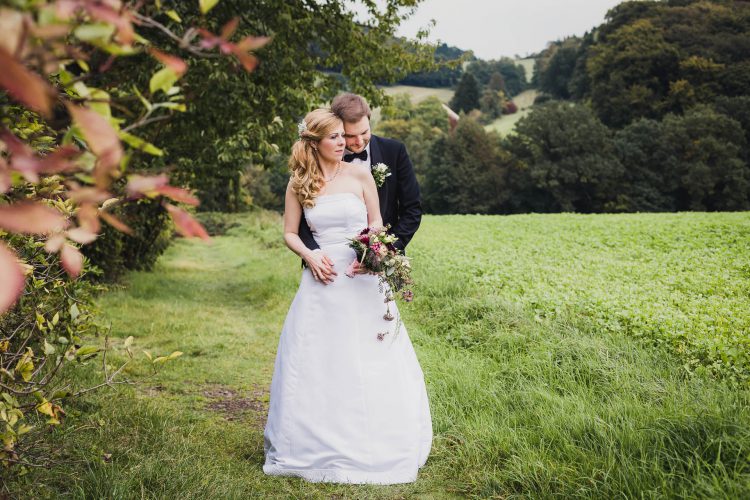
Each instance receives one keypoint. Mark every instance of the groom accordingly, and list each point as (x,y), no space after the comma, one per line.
(400,204)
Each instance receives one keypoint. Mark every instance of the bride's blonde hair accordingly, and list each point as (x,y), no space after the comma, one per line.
(307,175)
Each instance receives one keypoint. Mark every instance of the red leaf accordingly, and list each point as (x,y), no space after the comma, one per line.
(173,62)
(248,61)
(59,160)
(115,222)
(185,224)
(101,138)
(228,29)
(81,235)
(82,195)
(88,217)
(121,20)
(25,86)
(139,185)
(72,260)
(54,243)
(31,218)
(5,180)
(178,194)
(13,278)
(252,43)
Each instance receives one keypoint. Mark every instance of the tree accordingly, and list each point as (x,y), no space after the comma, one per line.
(564,160)
(467,94)
(705,161)
(466,172)
(216,141)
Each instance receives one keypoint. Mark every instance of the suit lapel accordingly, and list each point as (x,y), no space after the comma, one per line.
(376,156)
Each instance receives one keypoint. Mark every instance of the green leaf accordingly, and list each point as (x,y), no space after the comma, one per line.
(148,355)
(94,31)
(74,312)
(48,348)
(162,80)
(175,354)
(56,318)
(86,350)
(173,15)
(141,144)
(207,5)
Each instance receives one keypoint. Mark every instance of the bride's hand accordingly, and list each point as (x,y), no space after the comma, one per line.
(321,266)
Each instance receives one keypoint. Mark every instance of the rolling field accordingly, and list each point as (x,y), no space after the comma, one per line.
(567,356)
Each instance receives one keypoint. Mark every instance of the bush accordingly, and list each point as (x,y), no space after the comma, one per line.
(115,252)
(44,331)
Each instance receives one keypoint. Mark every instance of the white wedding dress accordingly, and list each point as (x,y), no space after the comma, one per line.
(345,407)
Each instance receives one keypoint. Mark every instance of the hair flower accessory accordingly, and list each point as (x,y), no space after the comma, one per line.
(301,127)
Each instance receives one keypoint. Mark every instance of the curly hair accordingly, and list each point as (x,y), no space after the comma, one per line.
(307,175)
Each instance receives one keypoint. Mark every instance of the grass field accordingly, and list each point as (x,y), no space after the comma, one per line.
(419,94)
(558,353)
(506,123)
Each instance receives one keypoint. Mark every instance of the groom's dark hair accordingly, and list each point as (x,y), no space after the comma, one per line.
(350,107)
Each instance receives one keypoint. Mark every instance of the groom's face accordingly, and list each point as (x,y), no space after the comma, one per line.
(357,134)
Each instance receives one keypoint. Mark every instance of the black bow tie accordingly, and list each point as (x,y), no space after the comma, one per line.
(362,155)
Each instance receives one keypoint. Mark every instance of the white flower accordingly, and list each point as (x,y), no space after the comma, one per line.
(380,172)
(301,127)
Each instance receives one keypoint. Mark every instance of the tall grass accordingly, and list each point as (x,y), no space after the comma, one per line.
(528,399)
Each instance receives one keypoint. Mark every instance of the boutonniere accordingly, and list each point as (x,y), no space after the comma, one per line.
(380,172)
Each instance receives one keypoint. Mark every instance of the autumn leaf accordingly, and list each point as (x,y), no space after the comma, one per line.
(115,222)
(185,224)
(25,86)
(71,259)
(101,137)
(178,194)
(13,278)
(31,218)
(173,62)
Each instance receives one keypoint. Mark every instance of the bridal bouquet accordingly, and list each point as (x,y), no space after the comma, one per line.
(377,254)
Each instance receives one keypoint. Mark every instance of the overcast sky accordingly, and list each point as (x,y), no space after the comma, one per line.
(496,28)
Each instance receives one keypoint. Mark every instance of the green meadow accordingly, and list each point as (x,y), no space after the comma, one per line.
(566,356)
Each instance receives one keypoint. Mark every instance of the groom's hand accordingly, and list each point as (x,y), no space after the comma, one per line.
(321,266)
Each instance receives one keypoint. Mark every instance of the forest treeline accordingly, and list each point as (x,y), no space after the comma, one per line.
(650,111)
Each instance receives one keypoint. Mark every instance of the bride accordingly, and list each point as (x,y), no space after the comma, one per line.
(345,406)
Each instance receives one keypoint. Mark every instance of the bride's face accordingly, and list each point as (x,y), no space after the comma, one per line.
(331,147)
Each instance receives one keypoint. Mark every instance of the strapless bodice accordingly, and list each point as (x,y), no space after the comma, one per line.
(336,217)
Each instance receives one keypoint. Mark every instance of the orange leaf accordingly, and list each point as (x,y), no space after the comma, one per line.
(88,217)
(25,86)
(82,195)
(115,222)
(81,235)
(13,278)
(178,194)
(185,224)
(248,61)
(228,29)
(172,62)
(72,260)
(54,243)
(5,180)
(139,185)
(101,138)
(252,43)
(121,20)
(31,218)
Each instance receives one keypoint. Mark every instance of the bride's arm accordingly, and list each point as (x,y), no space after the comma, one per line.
(372,202)
(318,262)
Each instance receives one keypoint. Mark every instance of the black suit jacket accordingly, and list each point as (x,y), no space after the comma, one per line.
(400,202)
